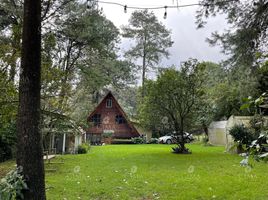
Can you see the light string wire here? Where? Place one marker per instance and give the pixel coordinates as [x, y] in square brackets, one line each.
[94, 3]
[159, 7]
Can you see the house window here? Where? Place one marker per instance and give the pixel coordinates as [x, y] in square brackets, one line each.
[119, 119]
[109, 103]
[96, 119]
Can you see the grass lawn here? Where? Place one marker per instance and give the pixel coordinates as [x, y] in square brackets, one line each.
[152, 172]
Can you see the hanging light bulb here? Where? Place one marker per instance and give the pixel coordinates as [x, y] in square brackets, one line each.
[125, 9]
[90, 4]
[165, 14]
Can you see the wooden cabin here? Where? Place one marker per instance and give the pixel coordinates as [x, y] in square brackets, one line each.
[109, 117]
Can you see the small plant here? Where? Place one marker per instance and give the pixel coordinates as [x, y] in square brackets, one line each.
[242, 136]
[12, 184]
[138, 140]
[153, 141]
[83, 148]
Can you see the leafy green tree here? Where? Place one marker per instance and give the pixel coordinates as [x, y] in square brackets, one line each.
[175, 95]
[11, 30]
[245, 43]
[262, 74]
[152, 40]
[213, 75]
[225, 90]
[79, 59]
[10, 36]
[248, 33]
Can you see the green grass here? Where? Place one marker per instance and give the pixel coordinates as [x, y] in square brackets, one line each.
[152, 172]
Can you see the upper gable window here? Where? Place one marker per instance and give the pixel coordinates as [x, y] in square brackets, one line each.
[119, 119]
[109, 103]
[96, 119]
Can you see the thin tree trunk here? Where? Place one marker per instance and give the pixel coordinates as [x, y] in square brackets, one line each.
[29, 149]
[63, 92]
[143, 67]
[143, 77]
[182, 141]
[205, 128]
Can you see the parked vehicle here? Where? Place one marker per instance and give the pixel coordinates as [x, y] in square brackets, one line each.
[172, 139]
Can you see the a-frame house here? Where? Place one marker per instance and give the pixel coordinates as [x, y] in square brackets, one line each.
[108, 116]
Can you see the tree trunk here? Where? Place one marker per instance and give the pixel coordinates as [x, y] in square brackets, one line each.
[29, 149]
[181, 142]
[143, 77]
[205, 128]
[143, 67]
[63, 92]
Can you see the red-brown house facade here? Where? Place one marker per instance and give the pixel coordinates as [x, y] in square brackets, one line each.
[108, 116]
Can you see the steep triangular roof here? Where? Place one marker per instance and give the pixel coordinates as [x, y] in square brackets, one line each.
[110, 95]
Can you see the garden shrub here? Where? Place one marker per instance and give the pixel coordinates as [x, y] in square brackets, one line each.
[153, 141]
[242, 135]
[83, 148]
[138, 140]
[12, 184]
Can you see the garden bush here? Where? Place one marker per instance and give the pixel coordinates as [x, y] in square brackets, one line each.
[83, 148]
[138, 140]
[153, 141]
[242, 135]
[11, 185]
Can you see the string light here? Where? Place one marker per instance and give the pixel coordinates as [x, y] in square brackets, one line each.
[93, 3]
[88, 7]
[165, 14]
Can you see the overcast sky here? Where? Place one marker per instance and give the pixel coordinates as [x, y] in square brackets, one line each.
[188, 41]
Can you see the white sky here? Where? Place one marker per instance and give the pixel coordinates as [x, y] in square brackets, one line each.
[189, 42]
